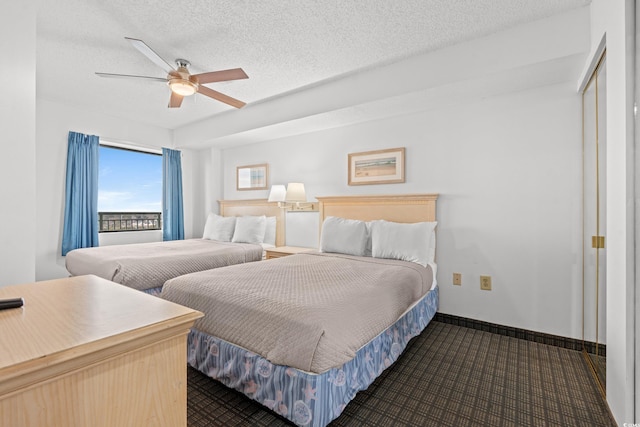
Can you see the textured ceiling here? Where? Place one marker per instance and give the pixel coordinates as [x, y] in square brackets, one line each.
[283, 45]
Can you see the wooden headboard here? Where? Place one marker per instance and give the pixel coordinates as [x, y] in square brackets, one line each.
[256, 207]
[396, 208]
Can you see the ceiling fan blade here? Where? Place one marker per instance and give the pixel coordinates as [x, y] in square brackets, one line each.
[129, 76]
[221, 76]
[176, 100]
[150, 53]
[220, 97]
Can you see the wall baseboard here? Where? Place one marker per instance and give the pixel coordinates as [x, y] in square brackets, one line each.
[524, 334]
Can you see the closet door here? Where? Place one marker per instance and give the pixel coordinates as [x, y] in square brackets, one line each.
[594, 220]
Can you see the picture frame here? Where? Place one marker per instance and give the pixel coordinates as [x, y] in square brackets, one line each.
[377, 167]
[252, 177]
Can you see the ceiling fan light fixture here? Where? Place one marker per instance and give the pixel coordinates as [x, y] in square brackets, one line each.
[182, 87]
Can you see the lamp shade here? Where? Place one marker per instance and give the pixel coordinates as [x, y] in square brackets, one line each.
[295, 192]
[277, 193]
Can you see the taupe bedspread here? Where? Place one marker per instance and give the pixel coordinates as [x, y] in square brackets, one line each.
[310, 311]
[148, 265]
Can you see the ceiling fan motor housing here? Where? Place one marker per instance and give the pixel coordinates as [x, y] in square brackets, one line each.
[181, 81]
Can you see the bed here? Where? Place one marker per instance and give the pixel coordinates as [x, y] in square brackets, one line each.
[240, 234]
[304, 333]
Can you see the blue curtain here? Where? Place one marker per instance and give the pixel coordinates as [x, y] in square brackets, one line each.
[81, 193]
[172, 213]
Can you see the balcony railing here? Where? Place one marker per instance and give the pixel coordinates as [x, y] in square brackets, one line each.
[129, 221]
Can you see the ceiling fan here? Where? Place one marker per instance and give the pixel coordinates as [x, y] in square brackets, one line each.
[181, 82]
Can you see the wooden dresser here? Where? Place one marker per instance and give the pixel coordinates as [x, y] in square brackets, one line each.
[84, 351]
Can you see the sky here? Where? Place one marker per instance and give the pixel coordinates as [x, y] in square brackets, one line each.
[129, 181]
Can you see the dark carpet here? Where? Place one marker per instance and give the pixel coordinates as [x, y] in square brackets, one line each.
[448, 376]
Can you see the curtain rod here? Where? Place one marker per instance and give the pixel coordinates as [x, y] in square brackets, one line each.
[113, 142]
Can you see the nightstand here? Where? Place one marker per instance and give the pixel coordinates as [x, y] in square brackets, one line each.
[281, 251]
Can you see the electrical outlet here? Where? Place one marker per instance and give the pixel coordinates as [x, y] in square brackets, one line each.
[457, 279]
[485, 283]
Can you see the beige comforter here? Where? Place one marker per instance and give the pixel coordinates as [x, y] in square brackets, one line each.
[148, 265]
[310, 311]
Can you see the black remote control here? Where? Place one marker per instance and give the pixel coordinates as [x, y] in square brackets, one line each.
[11, 303]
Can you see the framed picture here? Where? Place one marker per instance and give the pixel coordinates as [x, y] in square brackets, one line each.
[377, 167]
[252, 177]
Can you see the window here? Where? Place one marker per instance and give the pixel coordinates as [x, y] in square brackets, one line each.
[129, 190]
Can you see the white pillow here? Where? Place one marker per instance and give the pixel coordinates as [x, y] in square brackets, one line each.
[344, 236]
[367, 248]
[250, 229]
[219, 228]
[270, 231]
[406, 242]
[432, 245]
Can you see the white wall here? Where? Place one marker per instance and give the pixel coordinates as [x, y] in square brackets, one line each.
[300, 228]
[204, 178]
[615, 19]
[17, 130]
[54, 121]
[508, 172]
